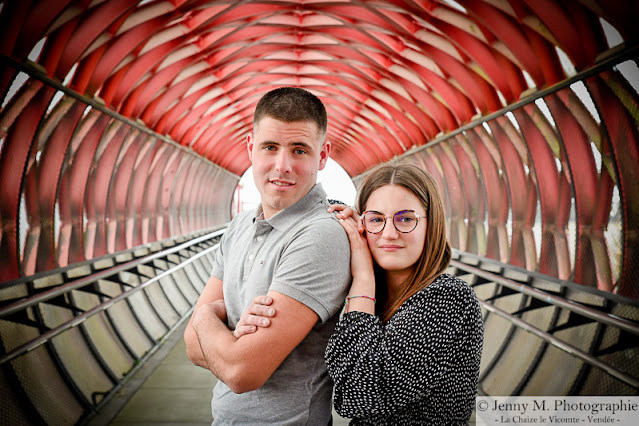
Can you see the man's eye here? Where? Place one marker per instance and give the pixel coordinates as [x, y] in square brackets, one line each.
[300, 151]
[269, 148]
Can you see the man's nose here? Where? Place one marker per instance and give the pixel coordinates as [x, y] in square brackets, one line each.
[283, 163]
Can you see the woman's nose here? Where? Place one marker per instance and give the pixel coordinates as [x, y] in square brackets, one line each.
[389, 231]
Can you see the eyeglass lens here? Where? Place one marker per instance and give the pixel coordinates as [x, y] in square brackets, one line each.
[404, 221]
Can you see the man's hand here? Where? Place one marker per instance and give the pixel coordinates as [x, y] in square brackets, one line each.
[256, 315]
[216, 308]
[246, 364]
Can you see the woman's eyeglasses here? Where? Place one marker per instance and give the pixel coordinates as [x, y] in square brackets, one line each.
[405, 221]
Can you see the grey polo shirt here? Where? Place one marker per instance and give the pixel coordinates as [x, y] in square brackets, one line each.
[301, 252]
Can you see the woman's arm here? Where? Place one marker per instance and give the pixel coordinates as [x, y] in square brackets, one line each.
[361, 268]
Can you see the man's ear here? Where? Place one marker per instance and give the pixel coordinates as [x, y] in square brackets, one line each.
[249, 146]
[324, 154]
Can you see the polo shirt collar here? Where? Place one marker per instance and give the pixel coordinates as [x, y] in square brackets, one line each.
[288, 217]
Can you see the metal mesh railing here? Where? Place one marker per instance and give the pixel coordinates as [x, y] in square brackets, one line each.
[545, 336]
[71, 336]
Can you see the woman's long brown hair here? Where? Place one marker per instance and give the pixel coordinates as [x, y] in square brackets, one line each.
[436, 254]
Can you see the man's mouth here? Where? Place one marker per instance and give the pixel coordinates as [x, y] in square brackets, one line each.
[280, 183]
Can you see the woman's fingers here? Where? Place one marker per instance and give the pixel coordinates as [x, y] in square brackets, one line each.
[348, 226]
[361, 262]
[353, 230]
[343, 212]
[336, 207]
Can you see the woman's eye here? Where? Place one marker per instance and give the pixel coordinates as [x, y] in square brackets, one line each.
[405, 219]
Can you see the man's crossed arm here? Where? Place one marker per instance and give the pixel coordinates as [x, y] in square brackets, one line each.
[244, 364]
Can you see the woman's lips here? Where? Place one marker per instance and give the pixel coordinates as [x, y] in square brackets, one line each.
[390, 247]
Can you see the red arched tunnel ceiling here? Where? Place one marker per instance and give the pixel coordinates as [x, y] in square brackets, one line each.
[393, 74]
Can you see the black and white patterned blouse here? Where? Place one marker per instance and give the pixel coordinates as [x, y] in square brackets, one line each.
[420, 367]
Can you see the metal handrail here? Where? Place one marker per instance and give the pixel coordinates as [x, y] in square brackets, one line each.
[556, 301]
[81, 282]
[572, 306]
[84, 281]
[566, 347]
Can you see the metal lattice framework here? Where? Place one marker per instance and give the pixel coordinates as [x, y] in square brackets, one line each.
[538, 185]
[86, 328]
[395, 76]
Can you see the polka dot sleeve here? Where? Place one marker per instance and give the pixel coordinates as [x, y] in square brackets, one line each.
[422, 365]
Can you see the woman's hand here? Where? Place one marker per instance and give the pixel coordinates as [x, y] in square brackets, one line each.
[344, 212]
[256, 315]
[361, 260]
[361, 268]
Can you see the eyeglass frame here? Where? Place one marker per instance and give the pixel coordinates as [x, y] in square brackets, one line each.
[417, 216]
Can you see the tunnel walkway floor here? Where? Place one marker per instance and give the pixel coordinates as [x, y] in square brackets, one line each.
[166, 390]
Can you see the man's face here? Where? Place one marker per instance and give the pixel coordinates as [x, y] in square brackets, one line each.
[286, 158]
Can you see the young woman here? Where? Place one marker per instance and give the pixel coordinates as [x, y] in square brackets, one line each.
[407, 348]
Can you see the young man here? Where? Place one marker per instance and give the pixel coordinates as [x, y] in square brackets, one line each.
[290, 250]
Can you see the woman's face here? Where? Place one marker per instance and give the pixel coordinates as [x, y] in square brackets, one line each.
[392, 250]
